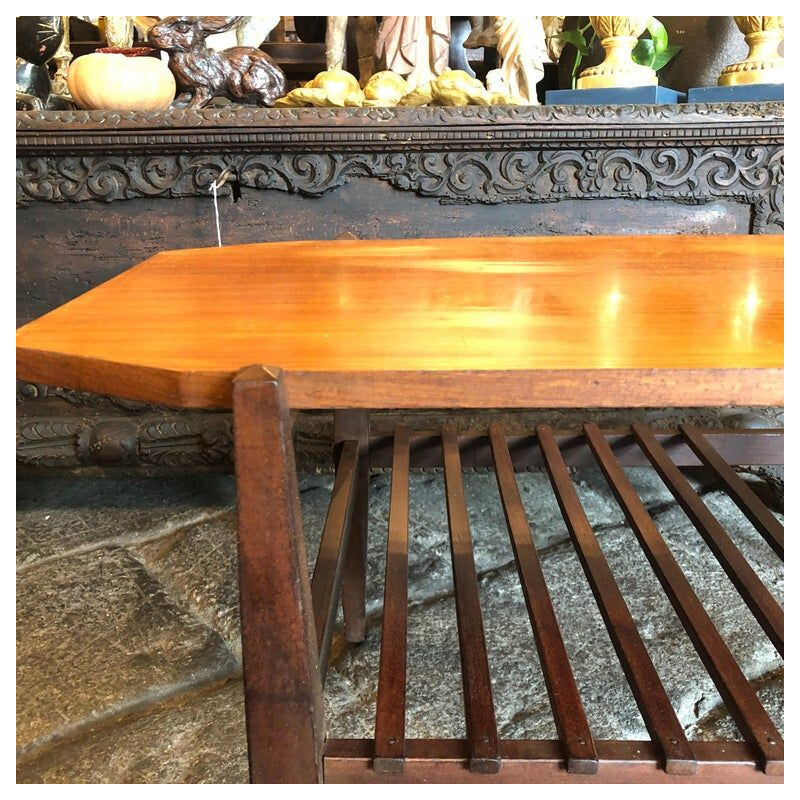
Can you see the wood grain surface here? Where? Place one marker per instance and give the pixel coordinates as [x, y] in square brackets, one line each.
[478, 322]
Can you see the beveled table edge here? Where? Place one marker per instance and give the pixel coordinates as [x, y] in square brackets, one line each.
[420, 389]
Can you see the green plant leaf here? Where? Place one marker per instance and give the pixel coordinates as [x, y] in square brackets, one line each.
[574, 38]
[644, 52]
[658, 33]
[663, 58]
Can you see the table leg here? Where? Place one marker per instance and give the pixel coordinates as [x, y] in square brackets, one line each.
[354, 425]
[282, 686]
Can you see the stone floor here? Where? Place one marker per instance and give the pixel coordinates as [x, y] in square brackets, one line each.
[128, 654]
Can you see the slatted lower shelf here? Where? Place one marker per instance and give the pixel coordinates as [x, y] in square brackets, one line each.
[447, 761]
[575, 756]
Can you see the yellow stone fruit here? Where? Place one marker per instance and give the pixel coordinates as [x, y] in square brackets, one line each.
[335, 81]
[421, 96]
[500, 99]
[457, 79]
[385, 88]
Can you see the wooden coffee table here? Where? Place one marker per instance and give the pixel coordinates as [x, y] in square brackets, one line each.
[549, 322]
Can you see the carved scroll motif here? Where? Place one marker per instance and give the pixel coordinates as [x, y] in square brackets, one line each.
[691, 174]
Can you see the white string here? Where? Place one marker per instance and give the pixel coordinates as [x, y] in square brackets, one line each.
[216, 213]
[218, 184]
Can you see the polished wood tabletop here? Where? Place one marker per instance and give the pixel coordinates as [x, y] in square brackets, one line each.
[469, 322]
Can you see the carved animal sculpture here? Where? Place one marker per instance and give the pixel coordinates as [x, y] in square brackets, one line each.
[243, 74]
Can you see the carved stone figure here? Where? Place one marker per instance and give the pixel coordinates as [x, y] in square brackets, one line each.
[336, 44]
[243, 74]
[483, 33]
[416, 47]
[552, 28]
[38, 40]
[118, 31]
[245, 32]
[521, 45]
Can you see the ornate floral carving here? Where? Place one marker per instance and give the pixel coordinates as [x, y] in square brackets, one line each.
[169, 440]
[162, 441]
[475, 154]
[55, 442]
[187, 441]
[696, 174]
[768, 209]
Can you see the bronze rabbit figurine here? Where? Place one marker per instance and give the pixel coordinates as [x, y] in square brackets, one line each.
[243, 74]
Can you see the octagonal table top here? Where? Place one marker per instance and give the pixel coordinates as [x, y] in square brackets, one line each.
[435, 323]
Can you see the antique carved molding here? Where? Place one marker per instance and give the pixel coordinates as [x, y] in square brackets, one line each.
[252, 117]
[689, 153]
[175, 441]
[692, 174]
[66, 429]
[163, 441]
[247, 130]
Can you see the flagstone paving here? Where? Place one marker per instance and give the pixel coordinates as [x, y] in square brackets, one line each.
[128, 653]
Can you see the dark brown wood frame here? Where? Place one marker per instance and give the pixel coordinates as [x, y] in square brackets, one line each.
[288, 617]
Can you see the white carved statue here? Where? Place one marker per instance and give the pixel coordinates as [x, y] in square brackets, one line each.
[418, 48]
[521, 46]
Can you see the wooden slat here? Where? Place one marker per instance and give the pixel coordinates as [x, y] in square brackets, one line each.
[762, 604]
[741, 494]
[733, 686]
[568, 713]
[327, 580]
[390, 716]
[736, 446]
[654, 705]
[542, 761]
[350, 424]
[478, 702]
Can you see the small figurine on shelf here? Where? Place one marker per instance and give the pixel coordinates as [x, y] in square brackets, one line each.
[365, 30]
[454, 87]
[619, 36]
[521, 45]
[242, 74]
[38, 40]
[418, 48]
[764, 64]
[334, 88]
[337, 88]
